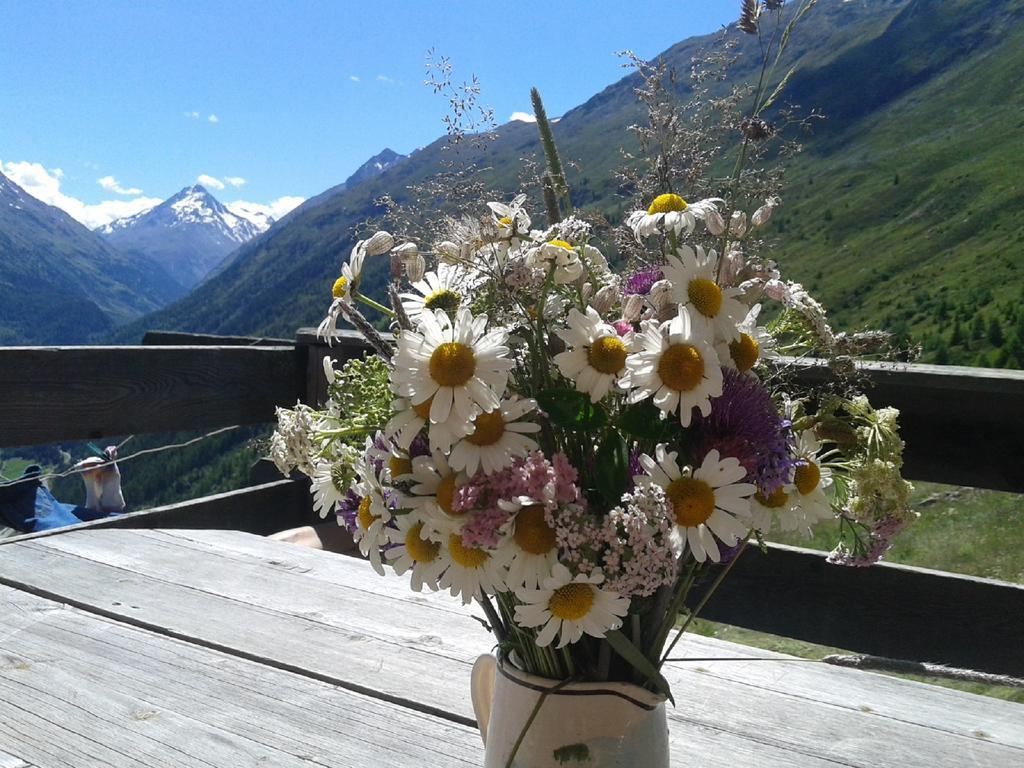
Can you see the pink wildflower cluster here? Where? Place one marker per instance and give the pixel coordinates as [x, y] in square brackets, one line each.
[639, 557]
[550, 483]
[632, 544]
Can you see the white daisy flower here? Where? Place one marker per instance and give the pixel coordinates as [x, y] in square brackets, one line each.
[351, 272]
[675, 365]
[472, 571]
[534, 546]
[496, 439]
[432, 491]
[437, 290]
[715, 311]
[705, 501]
[513, 223]
[407, 421]
[754, 343]
[561, 255]
[372, 516]
[326, 493]
[810, 479]
[778, 506]
[414, 550]
[569, 607]
[596, 357]
[457, 363]
[669, 213]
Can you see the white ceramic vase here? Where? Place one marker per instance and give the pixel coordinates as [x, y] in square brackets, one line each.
[581, 725]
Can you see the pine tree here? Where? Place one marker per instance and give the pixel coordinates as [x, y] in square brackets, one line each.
[995, 332]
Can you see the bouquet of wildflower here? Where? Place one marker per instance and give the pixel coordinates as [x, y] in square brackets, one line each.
[576, 447]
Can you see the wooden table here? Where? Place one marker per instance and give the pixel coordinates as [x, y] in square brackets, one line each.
[212, 648]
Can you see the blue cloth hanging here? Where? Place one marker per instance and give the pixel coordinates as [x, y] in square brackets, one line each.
[29, 506]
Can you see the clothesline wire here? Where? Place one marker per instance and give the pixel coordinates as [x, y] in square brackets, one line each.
[129, 457]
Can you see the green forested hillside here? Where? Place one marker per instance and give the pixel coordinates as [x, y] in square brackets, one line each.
[904, 210]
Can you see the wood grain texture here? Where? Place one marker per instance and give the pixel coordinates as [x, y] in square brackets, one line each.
[77, 691]
[10, 761]
[179, 339]
[261, 509]
[331, 618]
[888, 610]
[49, 394]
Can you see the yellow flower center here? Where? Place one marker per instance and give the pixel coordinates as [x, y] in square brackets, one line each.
[443, 298]
[446, 495]
[423, 409]
[777, 499]
[339, 287]
[681, 367]
[705, 295]
[364, 517]
[693, 501]
[420, 549]
[571, 602]
[607, 355]
[505, 221]
[560, 244]
[467, 557]
[744, 352]
[399, 465]
[666, 203]
[452, 364]
[489, 427]
[532, 532]
[807, 477]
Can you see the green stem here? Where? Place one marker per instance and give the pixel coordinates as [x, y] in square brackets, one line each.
[373, 304]
[703, 601]
[533, 716]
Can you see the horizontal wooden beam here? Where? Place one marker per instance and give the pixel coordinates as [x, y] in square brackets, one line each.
[176, 338]
[888, 610]
[261, 509]
[50, 394]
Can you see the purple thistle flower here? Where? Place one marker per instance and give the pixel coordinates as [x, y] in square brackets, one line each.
[640, 282]
[745, 423]
[347, 509]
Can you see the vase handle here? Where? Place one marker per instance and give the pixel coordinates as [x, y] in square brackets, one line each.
[481, 690]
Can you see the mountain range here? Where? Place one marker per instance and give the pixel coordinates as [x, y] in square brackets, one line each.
[188, 234]
[902, 210]
[61, 282]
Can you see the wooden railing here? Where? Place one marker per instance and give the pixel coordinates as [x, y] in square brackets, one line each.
[962, 426]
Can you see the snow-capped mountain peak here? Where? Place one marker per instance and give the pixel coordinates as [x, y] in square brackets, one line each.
[190, 232]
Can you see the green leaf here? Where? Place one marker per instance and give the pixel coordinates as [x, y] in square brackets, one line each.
[612, 467]
[643, 421]
[570, 409]
[625, 648]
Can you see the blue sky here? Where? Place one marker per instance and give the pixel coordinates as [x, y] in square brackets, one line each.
[107, 105]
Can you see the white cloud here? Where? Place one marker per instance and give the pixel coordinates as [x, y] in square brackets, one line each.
[213, 119]
[210, 181]
[60, 175]
[234, 181]
[44, 185]
[354, 78]
[110, 184]
[522, 117]
[192, 115]
[384, 79]
[275, 209]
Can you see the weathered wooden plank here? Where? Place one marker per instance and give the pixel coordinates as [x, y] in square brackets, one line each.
[367, 629]
[176, 338]
[77, 690]
[261, 509]
[10, 761]
[48, 394]
[889, 610]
